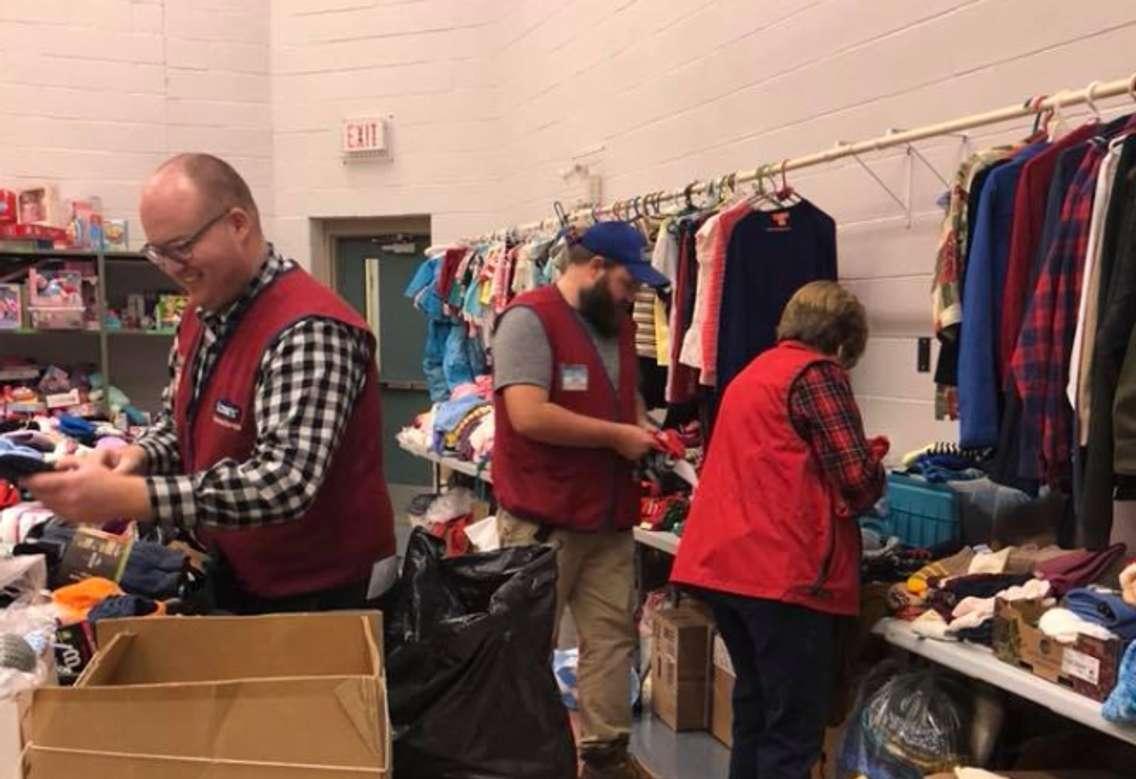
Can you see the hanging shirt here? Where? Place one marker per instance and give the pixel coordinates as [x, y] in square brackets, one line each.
[643, 314]
[1080, 365]
[664, 258]
[691, 353]
[682, 380]
[770, 256]
[1041, 359]
[978, 368]
[1026, 233]
[720, 240]
[946, 290]
[1116, 301]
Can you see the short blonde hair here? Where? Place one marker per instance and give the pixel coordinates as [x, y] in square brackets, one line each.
[827, 317]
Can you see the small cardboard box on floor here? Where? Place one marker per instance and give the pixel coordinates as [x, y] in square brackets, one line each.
[722, 707]
[272, 697]
[680, 669]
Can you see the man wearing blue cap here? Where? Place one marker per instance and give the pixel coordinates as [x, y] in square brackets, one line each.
[570, 427]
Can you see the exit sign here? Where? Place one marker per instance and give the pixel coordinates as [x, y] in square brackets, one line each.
[365, 136]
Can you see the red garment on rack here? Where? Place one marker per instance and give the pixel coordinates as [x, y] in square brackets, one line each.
[682, 380]
[453, 258]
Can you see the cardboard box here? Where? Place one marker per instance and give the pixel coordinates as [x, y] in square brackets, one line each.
[721, 698]
[274, 696]
[50, 763]
[13, 713]
[11, 306]
[680, 669]
[1088, 667]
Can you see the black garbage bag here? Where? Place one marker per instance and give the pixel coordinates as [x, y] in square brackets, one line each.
[468, 645]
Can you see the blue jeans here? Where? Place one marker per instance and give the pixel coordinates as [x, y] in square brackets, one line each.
[784, 659]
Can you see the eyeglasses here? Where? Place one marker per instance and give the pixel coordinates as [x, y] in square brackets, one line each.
[172, 256]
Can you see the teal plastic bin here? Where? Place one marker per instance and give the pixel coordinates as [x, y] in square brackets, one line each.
[919, 513]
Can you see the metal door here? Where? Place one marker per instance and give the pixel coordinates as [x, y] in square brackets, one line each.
[371, 274]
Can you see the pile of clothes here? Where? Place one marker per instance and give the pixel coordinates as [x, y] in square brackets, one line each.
[952, 598]
[446, 516]
[462, 427]
[951, 593]
[123, 570]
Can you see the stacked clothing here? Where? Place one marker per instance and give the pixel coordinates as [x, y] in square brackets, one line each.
[953, 598]
[460, 428]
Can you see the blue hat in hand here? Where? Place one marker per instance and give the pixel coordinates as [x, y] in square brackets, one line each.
[622, 243]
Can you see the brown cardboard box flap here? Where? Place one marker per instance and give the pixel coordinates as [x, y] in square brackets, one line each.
[52, 763]
[326, 721]
[173, 687]
[193, 649]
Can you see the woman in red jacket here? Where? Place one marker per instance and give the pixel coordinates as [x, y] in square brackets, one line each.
[772, 542]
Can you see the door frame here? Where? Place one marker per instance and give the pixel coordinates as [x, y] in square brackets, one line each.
[325, 233]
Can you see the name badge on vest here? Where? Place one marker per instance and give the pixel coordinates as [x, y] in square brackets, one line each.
[227, 414]
[574, 378]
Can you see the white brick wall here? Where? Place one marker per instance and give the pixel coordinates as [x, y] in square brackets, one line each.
[422, 64]
[676, 90]
[94, 94]
[490, 99]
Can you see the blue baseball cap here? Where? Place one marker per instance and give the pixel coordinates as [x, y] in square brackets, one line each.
[622, 243]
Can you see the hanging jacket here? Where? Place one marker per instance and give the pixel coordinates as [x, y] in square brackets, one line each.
[765, 521]
[350, 525]
[561, 486]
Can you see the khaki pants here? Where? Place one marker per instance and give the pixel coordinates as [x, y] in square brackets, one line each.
[596, 581]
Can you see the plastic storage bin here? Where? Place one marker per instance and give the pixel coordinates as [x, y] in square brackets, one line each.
[919, 513]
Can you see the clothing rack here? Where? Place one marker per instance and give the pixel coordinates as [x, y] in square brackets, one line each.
[1045, 107]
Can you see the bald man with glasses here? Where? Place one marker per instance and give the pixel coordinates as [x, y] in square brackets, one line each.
[268, 446]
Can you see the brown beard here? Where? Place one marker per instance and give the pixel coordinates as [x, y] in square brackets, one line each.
[599, 307]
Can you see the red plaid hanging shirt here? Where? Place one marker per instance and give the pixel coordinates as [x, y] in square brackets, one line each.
[1040, 364]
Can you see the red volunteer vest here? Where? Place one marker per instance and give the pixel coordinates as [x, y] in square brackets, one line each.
[560, 486]
[350, 525]
[765, 522]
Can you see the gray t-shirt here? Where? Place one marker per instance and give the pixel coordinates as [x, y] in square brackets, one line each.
[522, 354]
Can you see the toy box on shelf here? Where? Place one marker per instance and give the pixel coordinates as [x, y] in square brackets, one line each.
[11, 307]
[85, 228]
[169, 311]
[55, 300]
[8, 213]
[116, 235]
[39, 205]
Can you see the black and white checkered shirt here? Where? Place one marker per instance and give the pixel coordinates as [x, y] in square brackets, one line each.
[309, 379]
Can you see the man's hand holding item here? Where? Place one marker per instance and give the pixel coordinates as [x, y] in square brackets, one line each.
[633, 442]
[85, 490]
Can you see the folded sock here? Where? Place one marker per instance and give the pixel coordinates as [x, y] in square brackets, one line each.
[1104, 608]
[119, 606]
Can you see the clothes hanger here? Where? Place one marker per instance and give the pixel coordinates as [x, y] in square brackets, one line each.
[760, 194]
[1041, 116]
[1056, 120]
[1090, 101]
[786, 194]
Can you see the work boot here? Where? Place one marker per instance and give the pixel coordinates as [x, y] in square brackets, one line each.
[613, 764]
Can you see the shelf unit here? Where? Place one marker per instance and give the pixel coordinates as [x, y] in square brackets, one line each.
[451, 463]
[979, 662]
[664, 541]
[15, 262]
